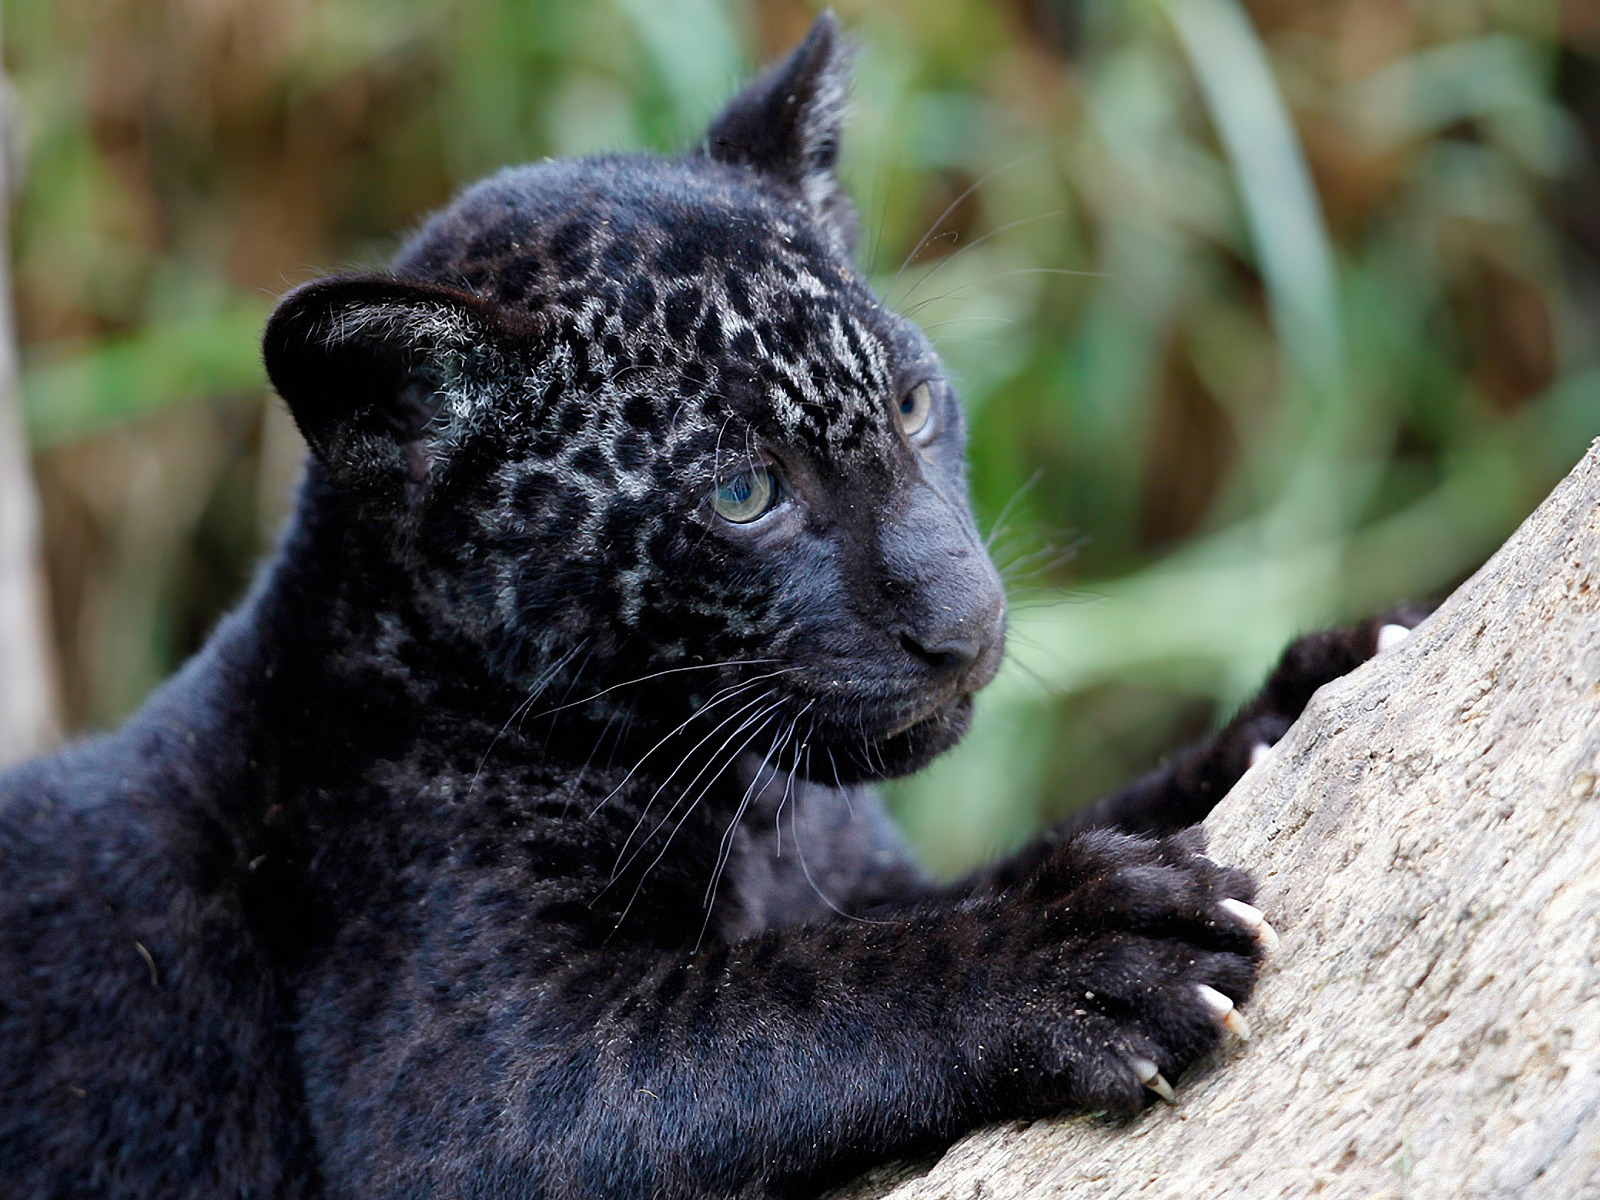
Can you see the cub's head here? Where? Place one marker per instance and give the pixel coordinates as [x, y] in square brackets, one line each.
[631, 416]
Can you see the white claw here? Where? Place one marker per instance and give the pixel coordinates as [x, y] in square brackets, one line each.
[1259, 751]
[1232, 1019]
[1390, 636]
[1254, 919]
[1150, 1075]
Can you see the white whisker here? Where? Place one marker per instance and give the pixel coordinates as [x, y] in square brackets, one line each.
[545, 678]
[689, 808]
[682, 762]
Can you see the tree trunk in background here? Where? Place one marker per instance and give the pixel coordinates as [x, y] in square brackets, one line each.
[1428, 844]
[28, 721]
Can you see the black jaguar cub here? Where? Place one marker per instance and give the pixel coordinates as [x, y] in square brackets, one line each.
[512, 838]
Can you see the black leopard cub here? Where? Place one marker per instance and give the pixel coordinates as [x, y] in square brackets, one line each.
[513, 838]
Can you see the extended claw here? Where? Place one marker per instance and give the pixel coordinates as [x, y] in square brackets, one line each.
[1254, 919]
[1150, 1075]
[1390, 636]
[1232, 1019]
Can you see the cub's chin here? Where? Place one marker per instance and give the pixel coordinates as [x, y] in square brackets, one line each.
[849, 759]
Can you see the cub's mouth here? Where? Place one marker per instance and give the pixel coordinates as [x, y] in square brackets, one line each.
[907, 745]
[932, 712]
[863, 725]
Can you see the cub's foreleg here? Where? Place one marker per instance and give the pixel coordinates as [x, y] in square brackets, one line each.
[772, 1064]
[1188, 785]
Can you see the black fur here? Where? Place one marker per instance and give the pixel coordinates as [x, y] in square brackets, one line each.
[511, 838]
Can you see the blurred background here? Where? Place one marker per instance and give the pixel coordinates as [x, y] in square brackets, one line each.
[1267, 314]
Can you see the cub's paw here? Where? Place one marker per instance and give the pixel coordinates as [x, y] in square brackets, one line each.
[1311, 661]
[1161, 946]
[1321, 657]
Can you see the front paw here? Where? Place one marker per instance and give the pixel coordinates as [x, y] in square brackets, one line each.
[1158, 946]
[1321, 657]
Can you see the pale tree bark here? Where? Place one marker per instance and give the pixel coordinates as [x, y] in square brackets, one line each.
[1428, 843]
[28, 720]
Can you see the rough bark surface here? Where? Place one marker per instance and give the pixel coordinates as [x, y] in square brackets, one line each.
[27, 681]
[1428, 841]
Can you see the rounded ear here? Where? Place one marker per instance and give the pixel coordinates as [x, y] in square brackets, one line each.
[366, 363]
[785, 124]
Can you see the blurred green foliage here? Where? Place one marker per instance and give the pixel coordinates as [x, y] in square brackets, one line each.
[1266, 315]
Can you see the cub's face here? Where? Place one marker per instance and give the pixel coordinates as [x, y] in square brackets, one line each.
[633, 416]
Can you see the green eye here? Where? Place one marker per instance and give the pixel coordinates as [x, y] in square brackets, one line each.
[916, 410]
[748, 495]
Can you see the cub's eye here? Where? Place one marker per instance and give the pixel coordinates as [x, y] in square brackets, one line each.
[748, 495]
[916, 410]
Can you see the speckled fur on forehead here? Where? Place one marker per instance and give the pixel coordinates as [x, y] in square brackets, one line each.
[718, 297]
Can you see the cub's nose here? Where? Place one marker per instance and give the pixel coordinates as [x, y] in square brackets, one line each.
[939, 591]
[947, 654]
[955, 648]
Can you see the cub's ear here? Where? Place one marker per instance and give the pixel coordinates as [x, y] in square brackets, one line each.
[785, 124]
[369, 364]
